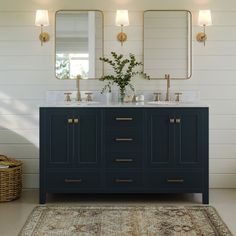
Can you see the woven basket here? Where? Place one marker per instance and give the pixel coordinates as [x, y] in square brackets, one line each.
[10, 179]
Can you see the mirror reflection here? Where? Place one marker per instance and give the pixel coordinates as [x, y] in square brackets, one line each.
[78, 44]
[168, 43]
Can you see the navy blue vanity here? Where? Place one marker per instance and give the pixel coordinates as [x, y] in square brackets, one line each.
[144, 149]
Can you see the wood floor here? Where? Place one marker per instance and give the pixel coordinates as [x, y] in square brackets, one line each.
[14, 214]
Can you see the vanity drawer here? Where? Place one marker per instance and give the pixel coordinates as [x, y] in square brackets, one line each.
[123, 159]
[126, 139]
[120, 180]
[73, 180]
[174, 180]
[124, 117]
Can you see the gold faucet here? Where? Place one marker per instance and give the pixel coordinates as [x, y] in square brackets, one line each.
[78, 95]
[167, 77]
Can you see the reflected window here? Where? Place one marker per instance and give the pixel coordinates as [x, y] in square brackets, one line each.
[79, 65]
[70, 65]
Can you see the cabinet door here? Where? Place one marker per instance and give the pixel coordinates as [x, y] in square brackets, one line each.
[58, 137]
[189, 137]
[87, 137]
[160, 137]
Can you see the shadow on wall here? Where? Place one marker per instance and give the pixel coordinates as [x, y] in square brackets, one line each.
[18, 147]
[20, 117]
[19, 135]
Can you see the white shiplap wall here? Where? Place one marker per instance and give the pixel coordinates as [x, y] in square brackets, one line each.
[26, 73]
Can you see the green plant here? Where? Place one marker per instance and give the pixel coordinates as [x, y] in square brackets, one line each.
[124, 69]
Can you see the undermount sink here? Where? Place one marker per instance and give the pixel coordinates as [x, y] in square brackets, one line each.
[81, 103]
[163, 103]
[88, 102]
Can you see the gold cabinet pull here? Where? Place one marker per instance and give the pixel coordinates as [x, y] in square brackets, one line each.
[177, 120]
[124, 118]
[172, 120]
[124, 180]
[175, 180]
[124, 160]
[76, 120]
[70, 121]
[124, 139]
[73, 180]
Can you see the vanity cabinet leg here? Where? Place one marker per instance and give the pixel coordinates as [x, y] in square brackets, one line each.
[205, 197]
[42, 197]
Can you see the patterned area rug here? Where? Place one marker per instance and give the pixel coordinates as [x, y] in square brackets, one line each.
[124, 221]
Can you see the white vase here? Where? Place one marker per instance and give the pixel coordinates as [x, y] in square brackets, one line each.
[108, 98]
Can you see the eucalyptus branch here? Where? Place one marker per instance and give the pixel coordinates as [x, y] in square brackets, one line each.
[124, 69]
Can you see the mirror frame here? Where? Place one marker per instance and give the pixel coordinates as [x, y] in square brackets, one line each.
[189, 32]
[102, 74]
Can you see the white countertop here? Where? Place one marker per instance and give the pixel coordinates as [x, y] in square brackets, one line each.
[57, 99]
[123, 105]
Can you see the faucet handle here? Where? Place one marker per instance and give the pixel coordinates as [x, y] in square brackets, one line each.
[157, 97]
[177, 99]
[89, 97]
[68, 98]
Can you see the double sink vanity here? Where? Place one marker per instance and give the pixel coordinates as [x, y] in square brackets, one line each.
[138, 147]
[152, 146]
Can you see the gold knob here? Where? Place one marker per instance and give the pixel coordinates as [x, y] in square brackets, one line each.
[172, 120]
[178, 120]
[70, 121]
[76, 120]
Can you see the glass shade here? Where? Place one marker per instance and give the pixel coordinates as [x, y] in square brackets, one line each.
[122, 18]
[41, 18]
[204, 18]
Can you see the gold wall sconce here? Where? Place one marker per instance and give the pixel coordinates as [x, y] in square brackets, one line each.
[122, 19]
[204, 19]
[41, 19]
